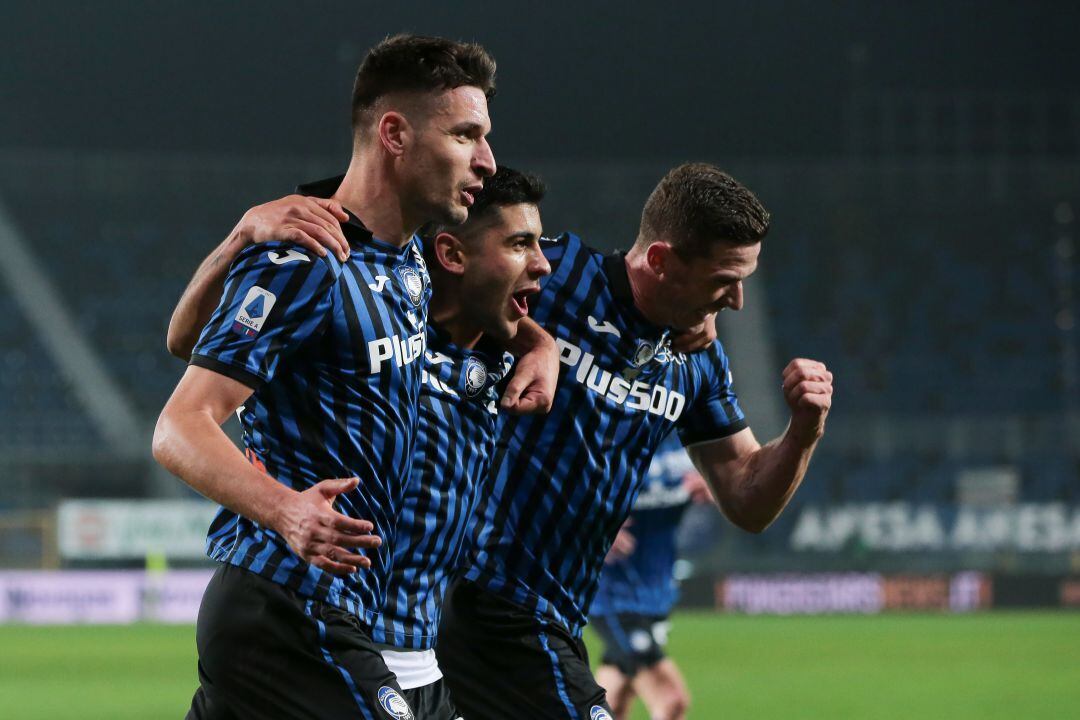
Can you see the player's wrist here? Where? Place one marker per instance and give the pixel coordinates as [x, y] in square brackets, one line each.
[805, 432]
[279, 509]
[241, 236]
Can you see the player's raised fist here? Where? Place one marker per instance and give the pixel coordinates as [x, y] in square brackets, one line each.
[321, 535]
[311, 223]
[808, 391]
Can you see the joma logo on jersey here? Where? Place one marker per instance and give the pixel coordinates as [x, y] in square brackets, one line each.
[635, 395]
[394, 348]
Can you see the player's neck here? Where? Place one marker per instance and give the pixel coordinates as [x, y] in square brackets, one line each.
[643, 287]
[369, 193]
[445, 311]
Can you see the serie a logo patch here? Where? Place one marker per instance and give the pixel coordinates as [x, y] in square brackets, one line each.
[598, 713]
[394, 705]
[253, 311]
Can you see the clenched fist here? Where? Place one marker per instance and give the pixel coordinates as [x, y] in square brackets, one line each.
[808, 391]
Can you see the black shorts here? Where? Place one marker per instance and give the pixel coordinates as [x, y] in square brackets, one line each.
[266, 652]
[432, 702]
[502, 661]
[632, 642]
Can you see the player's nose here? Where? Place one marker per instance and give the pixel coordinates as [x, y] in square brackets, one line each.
[735, 298]
[538, 264]
[483, 162]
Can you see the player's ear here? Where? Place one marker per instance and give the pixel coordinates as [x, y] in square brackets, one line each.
[395, 132]
[658, 258]
[450, 253]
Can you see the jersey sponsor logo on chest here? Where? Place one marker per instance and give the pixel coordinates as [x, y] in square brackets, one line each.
[395, 349]
[632, 394]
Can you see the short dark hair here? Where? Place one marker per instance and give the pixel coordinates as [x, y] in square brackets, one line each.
[419, 63]
[505, 188]
[696, 205]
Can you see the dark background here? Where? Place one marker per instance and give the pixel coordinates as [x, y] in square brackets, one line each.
[921, 162]
[586, 80]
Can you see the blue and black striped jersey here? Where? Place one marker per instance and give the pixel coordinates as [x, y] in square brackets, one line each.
[562, 483]
[333, 352]
[454, 443]
[644, 582]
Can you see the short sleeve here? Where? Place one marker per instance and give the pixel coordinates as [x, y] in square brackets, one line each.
[715, 412]
[276, 298]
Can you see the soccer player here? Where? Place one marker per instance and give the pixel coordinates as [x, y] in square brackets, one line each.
[562, 484]
[637, 590]
[320, 353]
[482, 273]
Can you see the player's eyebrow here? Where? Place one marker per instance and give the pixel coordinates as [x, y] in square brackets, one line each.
[467, 126]
[521, 236]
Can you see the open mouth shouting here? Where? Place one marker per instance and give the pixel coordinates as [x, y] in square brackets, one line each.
[519, 300]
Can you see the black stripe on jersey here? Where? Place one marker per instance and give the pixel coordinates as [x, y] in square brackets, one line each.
[564, 295]
[238, 374]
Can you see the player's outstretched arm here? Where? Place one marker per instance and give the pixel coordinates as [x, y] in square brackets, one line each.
[312, 223]
[536, 372]
[189, 442]
[753, 483]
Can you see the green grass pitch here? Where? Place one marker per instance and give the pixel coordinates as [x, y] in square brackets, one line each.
[985, 666]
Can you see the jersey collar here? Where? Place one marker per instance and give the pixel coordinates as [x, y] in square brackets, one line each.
[487, 349]
[619, 281]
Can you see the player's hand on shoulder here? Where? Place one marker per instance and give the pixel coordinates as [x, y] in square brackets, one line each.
[322, 536]
[531, 389]
[312, 223]
[696, 338]
[808, 390]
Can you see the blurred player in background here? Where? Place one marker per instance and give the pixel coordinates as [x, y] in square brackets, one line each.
[638, 589]
[563, 484]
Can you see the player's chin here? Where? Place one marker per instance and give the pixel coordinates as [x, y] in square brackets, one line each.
[504, 328]
[686, 324]
[454, 214]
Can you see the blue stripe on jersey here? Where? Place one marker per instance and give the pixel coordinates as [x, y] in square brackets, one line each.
[643, 582]
[361, 703]
[328, 348]
[557, 673]
[562, 483]
[458, 414]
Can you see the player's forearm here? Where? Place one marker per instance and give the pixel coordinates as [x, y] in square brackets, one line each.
[192, 446]
[765, 481]
[201, 297]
